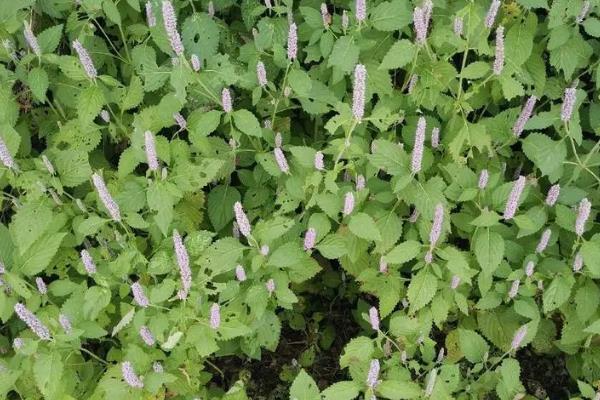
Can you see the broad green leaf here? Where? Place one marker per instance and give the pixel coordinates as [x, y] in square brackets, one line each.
[363, 226]
[421, 289]
[400, 54]
[48, 371]
[304, 388]
[344, 55]
[38, 83]
[398, 390]
[404, 252]
[246, 122]
[90, 103]
[472, 345]
[546, 154]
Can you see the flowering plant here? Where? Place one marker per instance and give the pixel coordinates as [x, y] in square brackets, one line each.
[401, 192]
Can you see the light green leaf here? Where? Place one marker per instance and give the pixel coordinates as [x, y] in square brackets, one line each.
[398, 390]
[472, 345]
[47, 371]
[344, 390]
[304, 388]
[38, 83]
[344, 54]
[547, 154]
[475, 70]
[246, 122]
[400, 54]
[363, 226]
[421, 290]
[90, 102]
[404, 252]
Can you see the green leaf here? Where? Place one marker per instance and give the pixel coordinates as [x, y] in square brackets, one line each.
[48, 371]
[519, 42]
[363, 226]
[49, 39]
[357, 350]
[89, 105]
[134, 94]
[200, 35]
[475, 70]
[38, 83]
[592, 26]
[547, 154]
[332, 246]
[203, 124]
[111, 11]
[344, 390]
[472, 345]
[96, 298]
[391, 15]
[489, 250]
[557, 293]
[73, 166]
[246, 122]
[399, 390]
[220, 205]
[39, 255]
[401, 53]
[421, 290]
[344, 55]
[590, 251]
[404, 252]
[304, 388]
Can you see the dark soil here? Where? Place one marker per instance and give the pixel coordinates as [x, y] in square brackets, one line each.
[545, 377]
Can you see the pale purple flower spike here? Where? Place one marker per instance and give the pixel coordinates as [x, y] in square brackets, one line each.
[88, 262]
[85, 59]
[310, 238]
[383, 265]
[513, 198]
[455, 282]
[319, 164]
[360, 10]
[183, 261]
[491, 14]
[458, 26]
[281, 160]
[292, 44]
[241, 219]
[226, 100]
[65, 323]
[240, 273]
[436, 227]
[374, 318]
[325, 15]
[360, 183]
[150, 17]
[417, 154]
[568, 104]
[348, 204]
[373, 374]
[157, 367]
[170, 23]
[146, 335]
[211, 9]
[585, 8]
[48, 165]
[261, 74]
[31, 39]
[264, 250]
[180, 120]
[514, 289]
[431, 382]
[278, 139]
[358, 94]
[18, 343]
[106, 198]
[150, 147]
[139, 296]
[483, 179]
[215, 316]
[270, 285]
[345, 20]
[499, 60]
[41, 285]
[412, 83]
[529, 268]
[577, 262]
[583, 213]
[543, 243]
[552, 195]
[195, 60]
[129, 375]
[435, 137]
[32, 321]
[524, 116]
[518, 338]
[5, 155]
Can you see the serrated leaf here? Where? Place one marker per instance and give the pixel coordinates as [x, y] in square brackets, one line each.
[48, 371]
[363, 226]
[547, 154]
[220, 205]
[90, 103]
[421, 290]
[38, 83]
[400, 54]
[344, 55]
[404, 252]
[304, 388]
[246, 122]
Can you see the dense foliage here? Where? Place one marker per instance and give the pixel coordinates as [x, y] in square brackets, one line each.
[288, 199]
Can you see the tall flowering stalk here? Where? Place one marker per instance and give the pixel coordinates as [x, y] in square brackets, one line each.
[585, 8]
[513, 198]
[147, 336]
[360, 10]
[240, 273]
[150, 17]
[310, 237]
[348, 204]
[150, 147]
[373, 374]
[226, 100]
[491, 14]
[31, 39]
[417, 154]
[325, 15]
[281, 160]
[568, 104]
[106, 198]
[458, 26]
[436, 227]
[88, 262]
[241, 219]
[358, 94]
[41, 285]
[292, 44]
[543, 243]
[183, 261]
[85, 59]
[529, 269]
[524, 116]
[215, 316]
[518, 337]
[319, 164]
[261, 74]
[5, 156]
[483, 179]
[431, 382]
[170, 23]
[32, 321]
[195, 60]
[583, 213]
[421, 18]
[129, 375]
[552, 195]
[499, 60]
[435, 137]
[139, 296]
[374, 318]
[514, 289]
